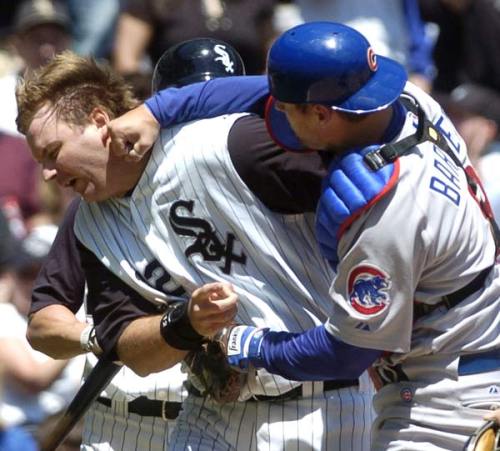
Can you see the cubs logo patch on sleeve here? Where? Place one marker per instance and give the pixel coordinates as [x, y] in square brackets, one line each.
[367, 289]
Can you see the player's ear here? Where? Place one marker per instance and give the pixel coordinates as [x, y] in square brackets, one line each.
[99, 117]
[322, 113]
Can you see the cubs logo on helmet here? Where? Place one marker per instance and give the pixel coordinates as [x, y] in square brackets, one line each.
[372, 59]
[367, 289]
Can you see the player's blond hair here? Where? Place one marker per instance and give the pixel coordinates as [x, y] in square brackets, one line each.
[74, 85]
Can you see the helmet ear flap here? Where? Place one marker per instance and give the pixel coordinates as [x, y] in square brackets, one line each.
[196, 60]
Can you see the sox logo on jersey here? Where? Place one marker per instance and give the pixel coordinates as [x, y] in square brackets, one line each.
[206, 242]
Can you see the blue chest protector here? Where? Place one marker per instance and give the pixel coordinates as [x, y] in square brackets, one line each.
[350, 188]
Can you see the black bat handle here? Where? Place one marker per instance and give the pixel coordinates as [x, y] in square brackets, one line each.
[97, 380]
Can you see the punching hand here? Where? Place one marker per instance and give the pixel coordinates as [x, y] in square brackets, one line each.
[212, 307]
[133, 134]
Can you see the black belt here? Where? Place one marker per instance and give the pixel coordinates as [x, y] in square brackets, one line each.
[146, 407]
[297, 392]
[294, 393]
[452, 299]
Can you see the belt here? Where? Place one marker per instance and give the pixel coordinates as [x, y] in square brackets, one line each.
[294, 393]
[453, 299]
[481, 362]
[297, 392]
[146, 407]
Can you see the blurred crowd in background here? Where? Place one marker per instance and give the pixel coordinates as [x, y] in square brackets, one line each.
[449, 47]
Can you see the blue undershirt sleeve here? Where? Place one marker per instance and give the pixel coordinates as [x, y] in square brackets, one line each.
[207, 99]
[313, 355]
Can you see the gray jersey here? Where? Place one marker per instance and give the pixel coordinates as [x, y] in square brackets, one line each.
[434, 240]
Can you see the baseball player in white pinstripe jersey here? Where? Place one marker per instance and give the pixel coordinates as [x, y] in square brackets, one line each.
[132, 412]
[197, 212]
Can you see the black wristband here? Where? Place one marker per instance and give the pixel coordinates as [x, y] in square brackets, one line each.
[176, 329]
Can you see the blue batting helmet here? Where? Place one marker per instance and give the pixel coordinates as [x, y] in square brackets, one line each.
[332, 64]
[196, 60]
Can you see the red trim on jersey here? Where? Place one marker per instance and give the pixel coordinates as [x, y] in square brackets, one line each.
[362, 269]
[390, 184]
[481, 200]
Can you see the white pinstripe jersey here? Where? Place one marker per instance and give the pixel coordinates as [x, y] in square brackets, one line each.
[427, 238]
[192, 220]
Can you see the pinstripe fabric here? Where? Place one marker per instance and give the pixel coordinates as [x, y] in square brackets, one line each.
[336, 420]
[106, 430]
[113, 428]
[192, 213]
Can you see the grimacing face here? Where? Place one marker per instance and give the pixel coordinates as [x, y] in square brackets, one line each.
[74, 156]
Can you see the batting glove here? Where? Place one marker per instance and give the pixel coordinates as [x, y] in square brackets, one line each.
[242, 344]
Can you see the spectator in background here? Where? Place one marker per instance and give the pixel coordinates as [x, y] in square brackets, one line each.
[93, 25]
[12, 438]
[466, 49]
[468, 79]
[19, 198]
[147, 27]
[40, 30]
[35, 386]
[393, 27]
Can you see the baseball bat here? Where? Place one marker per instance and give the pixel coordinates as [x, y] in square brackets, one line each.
[97, 380]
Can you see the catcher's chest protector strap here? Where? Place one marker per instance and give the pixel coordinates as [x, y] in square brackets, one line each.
[352, 187]
[426, 131]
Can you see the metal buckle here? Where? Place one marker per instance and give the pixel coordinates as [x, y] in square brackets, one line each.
[163, 413]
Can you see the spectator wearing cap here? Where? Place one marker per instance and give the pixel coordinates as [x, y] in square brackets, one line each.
[41, 29]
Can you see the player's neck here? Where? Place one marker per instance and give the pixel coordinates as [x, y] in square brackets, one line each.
[129, 173]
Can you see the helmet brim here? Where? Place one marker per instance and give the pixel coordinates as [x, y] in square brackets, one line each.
[383, 88]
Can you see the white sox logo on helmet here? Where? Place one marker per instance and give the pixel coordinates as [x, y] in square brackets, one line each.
[224, 58]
